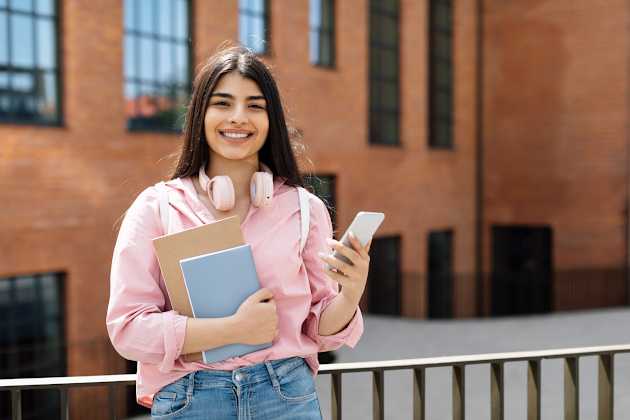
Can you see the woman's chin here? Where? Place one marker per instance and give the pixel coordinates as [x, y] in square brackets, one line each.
[233, 154]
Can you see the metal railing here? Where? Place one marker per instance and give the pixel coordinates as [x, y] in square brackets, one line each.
[458, 364]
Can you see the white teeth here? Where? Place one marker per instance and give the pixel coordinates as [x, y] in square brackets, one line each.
[235, 135]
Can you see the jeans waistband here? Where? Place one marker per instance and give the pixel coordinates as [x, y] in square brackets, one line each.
[264, 371]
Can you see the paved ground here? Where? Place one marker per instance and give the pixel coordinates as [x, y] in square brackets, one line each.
[392, 338]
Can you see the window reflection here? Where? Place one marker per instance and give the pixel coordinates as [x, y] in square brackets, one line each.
[46, 44]
[147, 59]
[129, 15]
[156, 64]
[28, 66]
[22, 40]
[130, 57]
[321, 18]
[165, 71]
[165, 18]
[45, 7]
[181, 19]
[145, 13]
[254, 25]
[22, 5]
[4, 42]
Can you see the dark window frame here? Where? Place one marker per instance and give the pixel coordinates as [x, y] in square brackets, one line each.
[522, 271]
[438, 274]
[440, 122]
[325, 30]
[266, 19]
[17, 349]
[396, 272]
[144, 125]
[56, 71]
[331, 202]
[377, 112]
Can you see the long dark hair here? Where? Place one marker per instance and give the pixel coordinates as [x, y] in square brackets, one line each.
[276, 153]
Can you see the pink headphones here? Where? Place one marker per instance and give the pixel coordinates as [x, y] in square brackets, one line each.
[221, 190]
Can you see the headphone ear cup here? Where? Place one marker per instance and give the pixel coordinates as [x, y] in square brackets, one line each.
[221, 193]
[261, 189]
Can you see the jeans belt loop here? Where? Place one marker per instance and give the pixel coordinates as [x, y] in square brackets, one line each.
[191, 384]
[272, 374]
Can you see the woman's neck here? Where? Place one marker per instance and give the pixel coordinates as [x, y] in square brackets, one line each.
[240, 172]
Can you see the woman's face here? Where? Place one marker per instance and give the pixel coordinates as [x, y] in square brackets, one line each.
[236, 121]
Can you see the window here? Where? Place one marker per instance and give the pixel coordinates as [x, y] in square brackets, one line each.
[440, 274]
[322, 39]
[384, 78]
[441, 74]
[324, 186]
[253, 25]
[29, 70]
[157, 68]
[522, 269]
[32, 343]
[384, 278]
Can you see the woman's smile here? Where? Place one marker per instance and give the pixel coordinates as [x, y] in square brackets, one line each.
[236, 136]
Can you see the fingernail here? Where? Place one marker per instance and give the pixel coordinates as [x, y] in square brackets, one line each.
[321, 254]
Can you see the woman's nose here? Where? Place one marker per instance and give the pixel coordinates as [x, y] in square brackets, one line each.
[239, 116]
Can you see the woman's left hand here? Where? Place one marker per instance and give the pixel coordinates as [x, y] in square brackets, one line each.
[351, 277]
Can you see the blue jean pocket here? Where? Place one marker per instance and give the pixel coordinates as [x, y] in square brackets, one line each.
[170, 400]
[296, 385]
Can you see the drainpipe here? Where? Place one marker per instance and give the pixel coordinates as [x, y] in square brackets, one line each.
[479, 227]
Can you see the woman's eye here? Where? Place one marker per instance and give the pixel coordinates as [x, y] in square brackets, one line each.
[221, 103]
[257, 106]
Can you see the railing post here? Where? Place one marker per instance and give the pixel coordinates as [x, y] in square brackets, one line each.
[497, 394]
[335, 396]
[16, 404]
[571, 388]
[63, 399]
[459, 392]
[533, 389]
[378, 384]
[419, 392]
[606, 386]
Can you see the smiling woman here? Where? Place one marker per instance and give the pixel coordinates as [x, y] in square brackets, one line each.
[236, 121]
[236, 159]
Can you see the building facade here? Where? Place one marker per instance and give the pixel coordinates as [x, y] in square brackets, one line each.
[493, 136]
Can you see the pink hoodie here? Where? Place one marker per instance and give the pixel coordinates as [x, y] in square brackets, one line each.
[141, 323]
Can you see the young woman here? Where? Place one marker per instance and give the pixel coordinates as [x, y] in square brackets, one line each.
[235, 135]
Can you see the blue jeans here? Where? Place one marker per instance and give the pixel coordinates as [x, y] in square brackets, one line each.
[278, 389]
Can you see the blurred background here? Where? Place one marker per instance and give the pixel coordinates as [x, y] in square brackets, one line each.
[493, 134]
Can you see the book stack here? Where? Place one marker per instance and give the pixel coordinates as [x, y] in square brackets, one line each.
[209, 271]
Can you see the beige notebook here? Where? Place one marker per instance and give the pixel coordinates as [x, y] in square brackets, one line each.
[170, 249]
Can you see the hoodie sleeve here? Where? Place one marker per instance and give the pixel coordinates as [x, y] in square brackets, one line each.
[139, 327]
[323, 289]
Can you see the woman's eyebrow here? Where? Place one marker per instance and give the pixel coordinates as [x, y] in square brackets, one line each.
[230, 96]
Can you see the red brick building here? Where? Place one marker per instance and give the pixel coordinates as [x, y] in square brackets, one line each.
[492, 134]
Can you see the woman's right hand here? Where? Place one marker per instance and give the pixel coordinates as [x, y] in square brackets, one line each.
[257, 318]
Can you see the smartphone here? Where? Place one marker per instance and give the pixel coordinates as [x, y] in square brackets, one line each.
[364, 227]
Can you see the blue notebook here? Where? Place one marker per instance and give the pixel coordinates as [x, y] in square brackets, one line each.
[217, 284]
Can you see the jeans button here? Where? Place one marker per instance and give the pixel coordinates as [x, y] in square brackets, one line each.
[238, 376]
